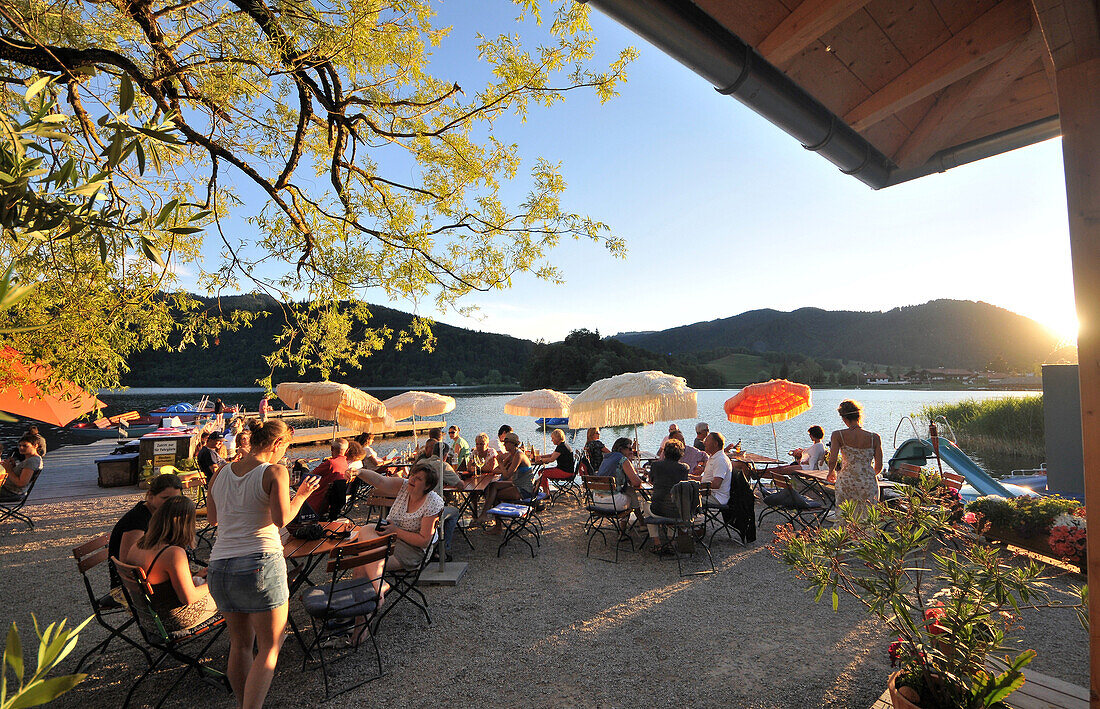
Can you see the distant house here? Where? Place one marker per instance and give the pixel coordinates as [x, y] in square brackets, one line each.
[943, 374]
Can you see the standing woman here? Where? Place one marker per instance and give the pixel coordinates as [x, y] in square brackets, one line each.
[249, 500]
[860, 454]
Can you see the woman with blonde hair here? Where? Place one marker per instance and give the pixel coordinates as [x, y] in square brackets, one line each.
[855, 457]
[483, 457]
[249, 500]
[162, 555]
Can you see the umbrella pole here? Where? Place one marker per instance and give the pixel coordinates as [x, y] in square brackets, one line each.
[775, 440]
[543, 434]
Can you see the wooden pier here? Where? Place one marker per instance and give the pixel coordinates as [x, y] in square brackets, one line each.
[324, 434]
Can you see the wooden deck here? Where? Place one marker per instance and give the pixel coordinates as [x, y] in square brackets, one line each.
[70, 473]
[324, 434]
[1039, 692]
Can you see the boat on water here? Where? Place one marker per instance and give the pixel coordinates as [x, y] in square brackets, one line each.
[186, 411]
[552, 423]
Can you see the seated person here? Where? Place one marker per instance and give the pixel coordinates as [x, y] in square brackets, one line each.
[211, 457]
[162, 553]
[413, 514]
[719, 468]
[617, 464]
[370, 459]
[501, 433]
[564, 466]
[594, 450]
[133, 524]
[229, 438]
[516, 479]
[813, 457]
[661, 448]
[244, 444]
[39, 441]
[436, 451]
[692, 457]
[665, 473]
[327, 501]
[483, 458]
[20, 472]
[460, 449]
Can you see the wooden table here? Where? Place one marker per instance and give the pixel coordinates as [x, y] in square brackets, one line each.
[755, 459]
[469, 490]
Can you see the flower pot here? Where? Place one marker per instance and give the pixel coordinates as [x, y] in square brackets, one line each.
[1040, 544]
[896, 699]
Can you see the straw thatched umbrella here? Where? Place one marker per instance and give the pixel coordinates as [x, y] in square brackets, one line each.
[339, 403]
[768, 402]
[633, 398]
[544, 403]
[418, 403]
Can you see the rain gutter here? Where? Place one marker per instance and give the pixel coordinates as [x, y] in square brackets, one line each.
[695, 39]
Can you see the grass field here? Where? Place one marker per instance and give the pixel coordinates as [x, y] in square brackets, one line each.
[742, 368]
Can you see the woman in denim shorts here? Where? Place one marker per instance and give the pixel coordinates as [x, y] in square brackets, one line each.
[249, 500]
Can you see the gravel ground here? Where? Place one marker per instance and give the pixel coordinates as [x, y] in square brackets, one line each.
[557, 630]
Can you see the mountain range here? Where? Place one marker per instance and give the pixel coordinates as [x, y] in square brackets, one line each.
[813, 343]
[940, 333]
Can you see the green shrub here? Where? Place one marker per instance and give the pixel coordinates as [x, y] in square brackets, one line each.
[1027, 516]
[996, 510]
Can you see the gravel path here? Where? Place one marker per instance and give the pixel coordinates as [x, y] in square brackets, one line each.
[557, 630]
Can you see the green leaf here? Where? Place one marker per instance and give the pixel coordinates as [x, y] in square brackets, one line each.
[836, 601]
[166, 211]
[140, 158]
[152, 252]
[43, 691]
[125, 94]
[13, 653]
[37, 86]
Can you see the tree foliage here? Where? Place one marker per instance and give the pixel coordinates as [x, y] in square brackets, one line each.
[133, 130]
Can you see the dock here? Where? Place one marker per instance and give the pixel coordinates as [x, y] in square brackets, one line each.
[70, 473]
[324, 434]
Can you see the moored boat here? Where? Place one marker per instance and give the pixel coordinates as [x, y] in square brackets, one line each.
[90, 430]
[552, 423]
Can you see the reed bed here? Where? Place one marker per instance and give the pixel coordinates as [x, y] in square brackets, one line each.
[1010, 425]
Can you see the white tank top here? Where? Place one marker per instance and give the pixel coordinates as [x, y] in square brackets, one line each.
[244, 515]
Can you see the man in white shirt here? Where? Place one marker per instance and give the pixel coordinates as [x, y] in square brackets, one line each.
[719, 470]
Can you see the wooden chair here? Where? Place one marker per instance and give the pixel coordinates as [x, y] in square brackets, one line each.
[172, 644]
[600, 513]
[343, 598]
[106, 608]
[11, 509]
[715, 511]
[404, 582]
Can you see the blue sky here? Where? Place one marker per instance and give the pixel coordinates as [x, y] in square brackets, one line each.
[723, 213]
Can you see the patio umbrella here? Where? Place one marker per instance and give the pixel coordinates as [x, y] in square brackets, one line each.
[340, 403]
[633, 398]
[544, 403]
[418, 403]
[29, 395]
[768, 402]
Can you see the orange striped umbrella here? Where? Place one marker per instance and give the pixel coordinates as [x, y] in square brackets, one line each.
[29, 396]
[768, 402]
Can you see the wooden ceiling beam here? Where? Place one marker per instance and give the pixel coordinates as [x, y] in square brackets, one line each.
[962, 101]
[981, 43]
[1071, 31]
[801, 28]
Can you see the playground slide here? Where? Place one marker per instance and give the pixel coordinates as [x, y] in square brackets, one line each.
[917, 452]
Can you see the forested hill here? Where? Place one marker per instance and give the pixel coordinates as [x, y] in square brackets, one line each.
[951, 333]
[460, 356]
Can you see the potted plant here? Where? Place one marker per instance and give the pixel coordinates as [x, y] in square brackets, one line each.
[1029, 523]
[951, 602]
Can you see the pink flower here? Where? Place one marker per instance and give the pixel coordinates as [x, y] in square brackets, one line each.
[970, 518]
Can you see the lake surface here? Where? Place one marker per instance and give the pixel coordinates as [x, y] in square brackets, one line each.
[476, 412]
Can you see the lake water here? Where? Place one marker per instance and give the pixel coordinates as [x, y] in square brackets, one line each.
[475, 412]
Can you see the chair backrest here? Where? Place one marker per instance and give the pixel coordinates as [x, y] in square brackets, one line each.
[346, 557]
[30, 485]
[779, 480]
[604, 486]
[89, 555]
[953, 480]
[139, 594]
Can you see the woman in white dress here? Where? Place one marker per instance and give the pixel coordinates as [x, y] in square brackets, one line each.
[855, 457]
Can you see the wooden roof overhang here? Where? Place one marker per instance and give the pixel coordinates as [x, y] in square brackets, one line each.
[887, 90]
